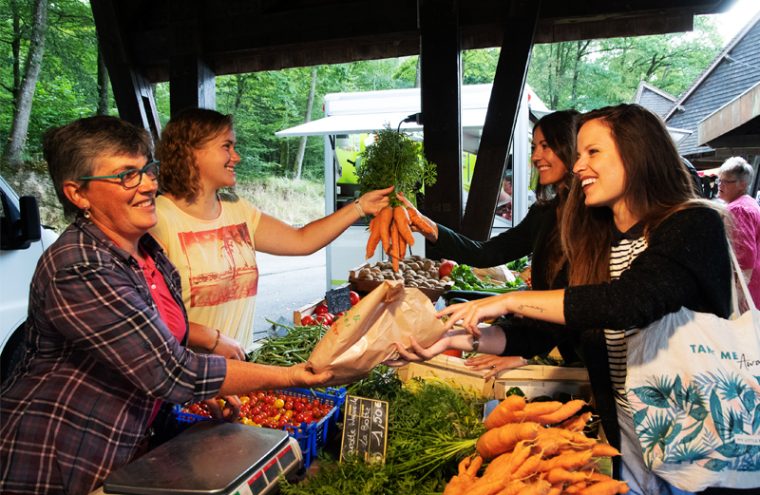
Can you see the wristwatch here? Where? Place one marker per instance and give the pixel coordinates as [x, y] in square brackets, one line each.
[475, 344]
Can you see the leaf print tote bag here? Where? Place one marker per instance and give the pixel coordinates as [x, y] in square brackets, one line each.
[693, 383]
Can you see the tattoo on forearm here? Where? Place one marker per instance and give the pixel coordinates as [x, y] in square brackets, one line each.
[523, 307]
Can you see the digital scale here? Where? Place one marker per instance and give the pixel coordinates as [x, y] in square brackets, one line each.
[211, 458]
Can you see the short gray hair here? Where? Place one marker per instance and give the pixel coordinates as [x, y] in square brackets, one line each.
[71, 150]
[738, 168]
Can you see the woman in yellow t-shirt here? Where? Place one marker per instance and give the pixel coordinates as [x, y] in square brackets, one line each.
[212, 238]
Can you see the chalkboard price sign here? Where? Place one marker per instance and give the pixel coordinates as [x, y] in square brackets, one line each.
[338, 299]
[365, 429]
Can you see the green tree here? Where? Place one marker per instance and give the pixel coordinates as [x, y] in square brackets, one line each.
[591, 74]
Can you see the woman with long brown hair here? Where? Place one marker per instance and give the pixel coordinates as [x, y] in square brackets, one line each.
[640, 245]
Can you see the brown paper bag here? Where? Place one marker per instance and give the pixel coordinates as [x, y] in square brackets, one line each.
[364, 337]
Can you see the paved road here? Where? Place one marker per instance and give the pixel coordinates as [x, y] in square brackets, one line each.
[287, 283]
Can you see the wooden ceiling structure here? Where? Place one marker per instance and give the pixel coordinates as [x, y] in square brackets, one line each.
[189, 42]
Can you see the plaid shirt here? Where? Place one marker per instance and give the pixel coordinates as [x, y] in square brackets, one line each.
[98, 356]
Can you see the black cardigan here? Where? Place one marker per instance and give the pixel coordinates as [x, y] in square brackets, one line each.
[529, 236]
[686, 264]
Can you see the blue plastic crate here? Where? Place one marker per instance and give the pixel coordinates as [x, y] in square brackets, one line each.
[311, 436]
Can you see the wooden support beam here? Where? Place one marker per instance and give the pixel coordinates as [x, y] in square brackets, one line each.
[192, 83]
[132, 92]
[440, 69]
[501, 117]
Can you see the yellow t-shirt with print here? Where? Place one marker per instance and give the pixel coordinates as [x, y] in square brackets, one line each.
[216, 260]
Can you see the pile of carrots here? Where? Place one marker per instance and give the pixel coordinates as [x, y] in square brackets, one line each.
[392, 227]
[536, 448]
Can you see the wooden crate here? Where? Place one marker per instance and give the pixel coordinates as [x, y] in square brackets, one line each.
[306, 310]
[450, 369]
[536, 380]
[364, 286]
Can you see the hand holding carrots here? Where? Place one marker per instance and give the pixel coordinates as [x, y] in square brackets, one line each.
[420, 223]
[373, 201]
[392, 225]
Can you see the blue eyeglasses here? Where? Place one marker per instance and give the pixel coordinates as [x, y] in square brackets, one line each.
[129, 179]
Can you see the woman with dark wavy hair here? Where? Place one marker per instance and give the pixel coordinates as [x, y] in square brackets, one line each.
[640, 245]
[553, 154]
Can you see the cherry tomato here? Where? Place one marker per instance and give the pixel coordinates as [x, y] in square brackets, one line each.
[353, 297]
[321, 309]
[279, 403]
[308, 321]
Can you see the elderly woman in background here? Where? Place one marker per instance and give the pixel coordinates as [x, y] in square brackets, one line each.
[106, 324]
[734, 179]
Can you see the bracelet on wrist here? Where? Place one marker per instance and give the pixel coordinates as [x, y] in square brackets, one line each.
[359, 208]
[218, 336]
[475, 344]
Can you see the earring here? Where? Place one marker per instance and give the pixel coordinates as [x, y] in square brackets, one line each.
[86, 213]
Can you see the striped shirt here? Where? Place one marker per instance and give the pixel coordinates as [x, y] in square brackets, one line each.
[98, 357]
[622, 254]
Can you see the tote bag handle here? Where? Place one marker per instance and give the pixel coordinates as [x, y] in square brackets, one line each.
[742, 283]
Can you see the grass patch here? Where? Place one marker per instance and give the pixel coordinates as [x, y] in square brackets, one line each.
[294, 201]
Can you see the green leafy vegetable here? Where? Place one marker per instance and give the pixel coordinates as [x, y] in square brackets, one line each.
[431, 427]
[519, 265]
[394, 159]
[465, 279]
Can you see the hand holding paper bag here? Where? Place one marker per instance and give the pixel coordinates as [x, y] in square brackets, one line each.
[366, 335]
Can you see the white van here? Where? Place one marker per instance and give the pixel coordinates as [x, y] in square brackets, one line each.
[22, 241]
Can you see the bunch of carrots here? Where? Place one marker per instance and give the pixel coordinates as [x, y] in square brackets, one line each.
[392, 227]
[536, 448]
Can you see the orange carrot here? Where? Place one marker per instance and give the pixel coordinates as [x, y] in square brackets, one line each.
[576, 487]
[401, 247]
[475, 464]
[500, 464]
[374, 238]
[555, 442]
[513, 488]
[394, 247]
[565, 411]
[486, 486]
[568, 460]
[504, 438]
[611, 487]
[402, 220]
[504, 412]
[559, 475]
[384, 225]
[534, 410]
[528, 468]
[463, 465]
[576, 423]
[604, 450]
[540, 487]
[419, 222]
[555, 490]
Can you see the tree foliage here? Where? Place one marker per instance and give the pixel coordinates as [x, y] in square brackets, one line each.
[590, 74]
[584, 75]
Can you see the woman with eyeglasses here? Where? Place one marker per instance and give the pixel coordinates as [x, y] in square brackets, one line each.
[106, 329]
[735, 178]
